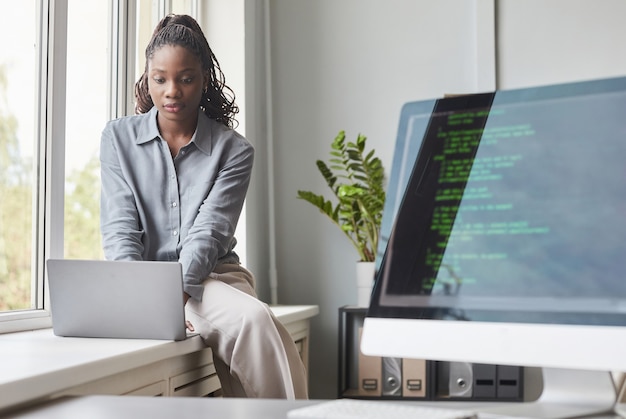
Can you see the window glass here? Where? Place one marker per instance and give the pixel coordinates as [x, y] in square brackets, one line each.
[86, 114]
[88, 90]
[148, 15]
[18, 109]
[183, 7]
[147, 18]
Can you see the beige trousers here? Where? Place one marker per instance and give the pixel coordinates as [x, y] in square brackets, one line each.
[254, 355]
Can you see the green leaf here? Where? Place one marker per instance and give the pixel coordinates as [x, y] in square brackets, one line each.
[356, 181]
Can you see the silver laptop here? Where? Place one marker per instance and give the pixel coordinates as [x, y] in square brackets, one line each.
[116, 299]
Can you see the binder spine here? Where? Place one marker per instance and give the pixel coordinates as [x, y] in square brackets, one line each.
[374, 377]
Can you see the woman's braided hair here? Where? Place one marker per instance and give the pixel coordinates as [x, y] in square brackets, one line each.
[218, 100]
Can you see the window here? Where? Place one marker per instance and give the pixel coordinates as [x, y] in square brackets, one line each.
[52, 111]
[18, 154]
[86, 113]
[87, 88]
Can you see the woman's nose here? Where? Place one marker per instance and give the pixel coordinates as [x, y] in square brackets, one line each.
[172, 89]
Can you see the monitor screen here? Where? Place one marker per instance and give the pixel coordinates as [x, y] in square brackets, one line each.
[414, 119]
[511, 232]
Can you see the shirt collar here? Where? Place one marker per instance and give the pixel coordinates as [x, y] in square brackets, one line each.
[201, 138]
[149, 129]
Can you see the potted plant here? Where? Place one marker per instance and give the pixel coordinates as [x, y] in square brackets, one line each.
[355, 178]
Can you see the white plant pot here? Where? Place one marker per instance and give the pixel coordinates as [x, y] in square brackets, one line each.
[365, 282]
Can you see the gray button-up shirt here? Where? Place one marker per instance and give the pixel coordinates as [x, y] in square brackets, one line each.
[155, 207]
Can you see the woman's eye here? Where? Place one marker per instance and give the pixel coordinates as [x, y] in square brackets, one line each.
[157, 80]
[187, 80]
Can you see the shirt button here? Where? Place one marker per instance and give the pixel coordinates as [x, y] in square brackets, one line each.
[172, 177]
[174, 233]
[174, 204]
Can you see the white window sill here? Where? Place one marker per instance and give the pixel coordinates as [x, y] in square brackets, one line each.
[36, 364]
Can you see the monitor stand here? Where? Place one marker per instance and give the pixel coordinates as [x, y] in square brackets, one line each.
[568, 393]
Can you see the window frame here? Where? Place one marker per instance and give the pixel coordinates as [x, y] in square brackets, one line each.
[48, 188]
[49, 185]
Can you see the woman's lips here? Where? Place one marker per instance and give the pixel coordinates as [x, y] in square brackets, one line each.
[173, 107]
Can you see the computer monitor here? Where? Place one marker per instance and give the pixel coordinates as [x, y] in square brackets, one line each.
[508, 245]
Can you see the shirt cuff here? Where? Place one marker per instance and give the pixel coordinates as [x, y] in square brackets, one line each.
[194, 291]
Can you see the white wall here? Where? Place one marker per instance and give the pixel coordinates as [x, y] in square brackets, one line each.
[350, 65]
[543, 42]
[223, 23]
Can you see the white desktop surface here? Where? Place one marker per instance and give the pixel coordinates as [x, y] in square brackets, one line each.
[37, 363]
[134, 407]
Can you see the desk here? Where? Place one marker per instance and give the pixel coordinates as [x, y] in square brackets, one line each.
[37, 366]
[136, 407]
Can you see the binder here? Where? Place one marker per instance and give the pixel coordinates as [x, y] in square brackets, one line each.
[509, 382]
[392, 376]
[461, 379]
[484, 381]
[370, 373]
[414, 382]
[454, 379]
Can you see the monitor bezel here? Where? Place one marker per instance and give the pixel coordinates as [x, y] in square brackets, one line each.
[400, 332]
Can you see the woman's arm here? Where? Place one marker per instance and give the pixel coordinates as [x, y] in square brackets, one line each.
[210, 237]
[119, 220]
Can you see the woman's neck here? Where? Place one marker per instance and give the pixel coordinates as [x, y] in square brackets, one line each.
[177, 134]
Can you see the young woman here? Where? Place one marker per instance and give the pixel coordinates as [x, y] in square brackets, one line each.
[174, 179]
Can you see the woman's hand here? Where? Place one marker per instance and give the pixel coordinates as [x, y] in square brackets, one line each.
[187, 322]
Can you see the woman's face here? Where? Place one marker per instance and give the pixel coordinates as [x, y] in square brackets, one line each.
[175, 83]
